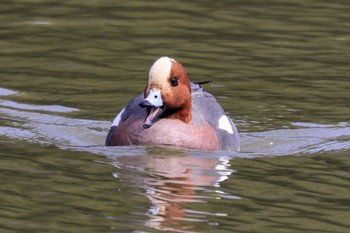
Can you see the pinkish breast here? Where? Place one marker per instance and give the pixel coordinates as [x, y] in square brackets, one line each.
[167, 132]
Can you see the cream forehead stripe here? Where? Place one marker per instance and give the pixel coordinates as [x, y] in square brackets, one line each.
[160, 70]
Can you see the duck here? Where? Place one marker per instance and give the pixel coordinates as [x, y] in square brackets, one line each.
[173, 111]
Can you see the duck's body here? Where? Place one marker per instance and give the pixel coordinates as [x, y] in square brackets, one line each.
[173, 111]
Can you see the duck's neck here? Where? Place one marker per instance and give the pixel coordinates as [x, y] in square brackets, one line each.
[184, 114]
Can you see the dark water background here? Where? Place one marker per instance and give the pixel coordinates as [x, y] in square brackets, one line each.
[280, 69]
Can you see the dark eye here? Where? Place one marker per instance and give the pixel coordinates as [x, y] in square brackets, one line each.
[174, 81]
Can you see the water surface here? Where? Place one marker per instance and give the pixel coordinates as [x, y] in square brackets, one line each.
[280, 70]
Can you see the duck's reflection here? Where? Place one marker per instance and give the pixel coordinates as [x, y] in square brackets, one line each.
[173, 180]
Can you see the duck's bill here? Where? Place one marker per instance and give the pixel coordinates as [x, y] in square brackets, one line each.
[153, 115]
[154, 104]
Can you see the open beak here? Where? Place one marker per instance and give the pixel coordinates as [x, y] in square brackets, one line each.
[155, 106]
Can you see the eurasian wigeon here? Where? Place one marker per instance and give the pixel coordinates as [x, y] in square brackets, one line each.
[173, 111]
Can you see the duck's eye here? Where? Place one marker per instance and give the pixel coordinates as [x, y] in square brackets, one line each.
[174, 81]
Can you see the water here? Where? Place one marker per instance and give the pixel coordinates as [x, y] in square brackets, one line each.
[281, 70]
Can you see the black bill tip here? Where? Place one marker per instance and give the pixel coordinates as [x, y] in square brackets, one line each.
[146, 126]
[145, 103]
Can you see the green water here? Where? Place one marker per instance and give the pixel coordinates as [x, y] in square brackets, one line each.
[281, 70]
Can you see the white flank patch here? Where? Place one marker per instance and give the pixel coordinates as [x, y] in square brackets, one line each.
[118, 118]
[225, 124]
[160, 70]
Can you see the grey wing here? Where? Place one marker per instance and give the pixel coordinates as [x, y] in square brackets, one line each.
[132, 108]
[205, 106]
